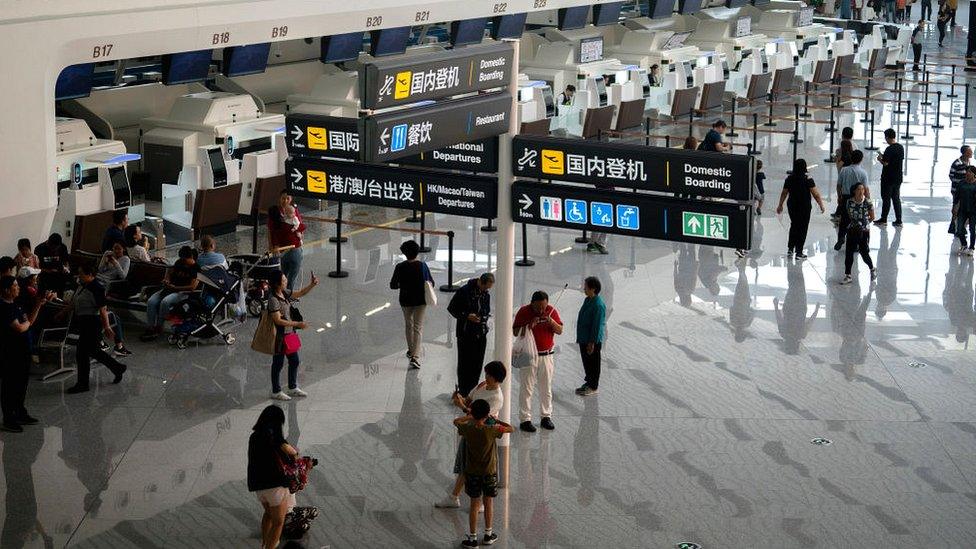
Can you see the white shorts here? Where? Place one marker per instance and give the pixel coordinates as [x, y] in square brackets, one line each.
[273, 497]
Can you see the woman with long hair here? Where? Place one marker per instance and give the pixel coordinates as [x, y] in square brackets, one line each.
[798, 189]
[265, 450]
[281, 310]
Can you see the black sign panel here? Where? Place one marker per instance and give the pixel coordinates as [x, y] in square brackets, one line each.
[402, 80]
[408, 132]
[632, 214]
[477, 156]
[661, 169]
[392, 187]
[318, 136]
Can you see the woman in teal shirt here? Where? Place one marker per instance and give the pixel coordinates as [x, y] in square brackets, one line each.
[590, 333]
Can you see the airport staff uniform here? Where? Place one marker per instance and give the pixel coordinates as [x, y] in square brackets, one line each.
[542, 371]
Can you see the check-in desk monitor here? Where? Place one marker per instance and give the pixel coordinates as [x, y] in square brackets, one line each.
[601, 90]
[218, 168]
[119, 184]
[549, 101]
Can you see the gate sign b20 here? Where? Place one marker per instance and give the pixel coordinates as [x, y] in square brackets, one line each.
[698, 173]
[407, 79]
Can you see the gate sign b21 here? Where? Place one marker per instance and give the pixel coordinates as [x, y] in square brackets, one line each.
[698, 173]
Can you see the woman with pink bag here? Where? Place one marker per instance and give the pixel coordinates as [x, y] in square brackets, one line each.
[284, 315]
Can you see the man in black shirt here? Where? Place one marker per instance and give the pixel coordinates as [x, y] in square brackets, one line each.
[91, 321]
[15, 342]
[52, 256]
[116, 231]
[471, 306]
[891, 178]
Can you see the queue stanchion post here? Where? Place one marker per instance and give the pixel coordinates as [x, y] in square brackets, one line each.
[830, 127]
[831, 157]
[338, 272]
[424, 248]
[769, 122]
[938, 110]
[338, 236]
[525, 261]
[255, 218]
[867, 101]
[952, 84]
[794, 141]
[796, 126]
[908, 115]
[450, 286]
[647, 131]
[582, 239]
[926, 102]
[667, 141]
[965, 106]
[925, 68]
[755, 135]
[806, 100]
[871, 146]
[732, 121]
[691, 122]
[899, 85]
[414, 218]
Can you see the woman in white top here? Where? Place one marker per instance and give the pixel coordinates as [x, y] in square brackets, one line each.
[490, 390]
[136, 244]
[114, 265]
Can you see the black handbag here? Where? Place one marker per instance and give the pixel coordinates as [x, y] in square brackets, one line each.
[294, 314]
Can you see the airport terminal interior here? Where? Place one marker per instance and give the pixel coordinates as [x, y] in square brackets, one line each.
[749, 397]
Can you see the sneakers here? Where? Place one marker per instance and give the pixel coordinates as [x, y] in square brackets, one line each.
[414, 363]
[740, 253]
[102, 345]
[450, 501]
[279, 396]
[591, 247]
[489, 539]
[76, 389]
[897, 224]
[582, 389]
[969, 252]
[880, 223]
[121, 351]
[789, 254]
[589, 391]
[800, 255]
[847, 279]
[469, 542]
[527, 427]
[547, 424]
[118, 375]
[601, 248]
[296, 392]
[839, 245]
[874, 274]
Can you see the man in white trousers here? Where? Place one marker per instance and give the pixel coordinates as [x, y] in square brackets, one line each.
[544, 322]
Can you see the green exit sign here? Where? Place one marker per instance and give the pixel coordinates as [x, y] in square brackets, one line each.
[704, 225]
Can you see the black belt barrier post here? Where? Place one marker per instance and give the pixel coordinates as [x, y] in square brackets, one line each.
[424, 248]
[806, 100]
[338, 237]
[938, 110]
[830, 157]
[338, 272]
[691, 122]
[899, 85]
[414, 218]
[755, 135]
[952, 84]
[525, 261]
[908, 116]
[796, 126]
[769, 123]
[871, 147]
[732, 121]
[965, 106]
[830, 128]
[925, 62]
[926, 102]
[647, 131]
[867, 101]
[582, 239]
[450, 286]
[489, 228]
[667, 141]
[254, 231]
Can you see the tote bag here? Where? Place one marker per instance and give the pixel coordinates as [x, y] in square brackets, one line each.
[430, 293]
[265, 335]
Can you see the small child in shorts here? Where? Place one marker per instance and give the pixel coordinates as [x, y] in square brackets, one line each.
[480, 466]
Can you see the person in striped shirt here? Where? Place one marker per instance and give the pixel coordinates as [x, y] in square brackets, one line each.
[957, 176]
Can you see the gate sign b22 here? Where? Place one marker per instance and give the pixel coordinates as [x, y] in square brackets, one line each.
[698, 173]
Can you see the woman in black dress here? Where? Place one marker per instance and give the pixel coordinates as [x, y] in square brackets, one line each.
[798, 189]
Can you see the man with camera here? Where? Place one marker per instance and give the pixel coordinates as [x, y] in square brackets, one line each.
[471, 306]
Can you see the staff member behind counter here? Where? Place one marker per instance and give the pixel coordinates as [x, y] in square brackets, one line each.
[566, 97]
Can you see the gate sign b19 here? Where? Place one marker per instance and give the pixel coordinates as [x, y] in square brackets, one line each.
[407, 79]
[394, 187]
[662, 169]
[632, 214]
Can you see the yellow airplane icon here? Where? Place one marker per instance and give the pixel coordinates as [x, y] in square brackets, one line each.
[402, 88]
[553, 162]
[317, 138]
[316, 181]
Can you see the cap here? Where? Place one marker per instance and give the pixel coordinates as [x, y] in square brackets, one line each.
[25, 272]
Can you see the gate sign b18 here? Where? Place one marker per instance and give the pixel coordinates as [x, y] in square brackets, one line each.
[632, 214]
[662, 169]
[407, 79]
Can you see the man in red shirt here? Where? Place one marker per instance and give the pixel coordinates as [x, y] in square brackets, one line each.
[544, 321]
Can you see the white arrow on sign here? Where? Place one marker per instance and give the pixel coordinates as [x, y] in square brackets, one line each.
[384, 136]
[694, 223]
[296, 175]
[297, 132]
[525, 201]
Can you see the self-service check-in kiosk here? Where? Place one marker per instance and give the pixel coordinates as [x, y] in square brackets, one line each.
[91, 176]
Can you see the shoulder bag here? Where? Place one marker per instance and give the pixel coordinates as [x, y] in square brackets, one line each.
[265, 335]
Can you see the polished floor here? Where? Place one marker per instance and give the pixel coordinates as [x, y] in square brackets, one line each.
[718, 375]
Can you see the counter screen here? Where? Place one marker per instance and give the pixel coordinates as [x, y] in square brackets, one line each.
[469, 31]
[388, 41]
[242, 60]
[573, 18]
[688, 7]
[182, 68]
[508, 26]
[341, 47]
[120, 187]
[75, 81]
[606, 14]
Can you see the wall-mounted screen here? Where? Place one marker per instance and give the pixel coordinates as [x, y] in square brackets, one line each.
[469, 31]
[388, 41]
[120, 187]
[508, 26]
[243, 60]
[661, 9]
[590, 50]
[606, 14]
[341, 47]
[74, 81]
[743, 27]
[572, 18]
[190, 66]
[688, 7]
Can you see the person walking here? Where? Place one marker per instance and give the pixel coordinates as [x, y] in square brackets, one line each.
[471, 306]
[798, 189]
[891, 177]
[543, 321]
[952, 8]
[90, 320]
[957, 176]
[860, 211]
[411, 278]
[15, 341]
[942, 19]
[917, 41]
[849, 177]
[926, 11]
[283, 314]
[285, 229]
[965, 210]
[590, 333]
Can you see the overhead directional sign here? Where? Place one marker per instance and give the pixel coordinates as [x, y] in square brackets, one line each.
[476, 156]
[408, 79]
[318, 136]
[644, 215]
[662, 169]
[408, 132]
[394, 187]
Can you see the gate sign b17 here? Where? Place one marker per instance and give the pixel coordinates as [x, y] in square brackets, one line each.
[407, 79]
[662, 169]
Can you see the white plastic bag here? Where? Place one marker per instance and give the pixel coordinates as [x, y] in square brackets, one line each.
[524, 351]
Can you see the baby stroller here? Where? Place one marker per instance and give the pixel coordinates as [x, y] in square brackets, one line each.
[201, 314]
[255, 270]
